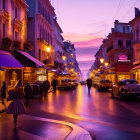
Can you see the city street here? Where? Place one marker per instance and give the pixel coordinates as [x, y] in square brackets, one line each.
[104, 117]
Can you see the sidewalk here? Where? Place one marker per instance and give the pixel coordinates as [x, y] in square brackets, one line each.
[2, 107]
[38, 128]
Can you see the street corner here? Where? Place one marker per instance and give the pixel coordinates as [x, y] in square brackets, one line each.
[53, 129]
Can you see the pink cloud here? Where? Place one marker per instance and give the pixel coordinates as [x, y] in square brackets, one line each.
[84, 69]
[84, 40]
[85, 58]
[93, 42]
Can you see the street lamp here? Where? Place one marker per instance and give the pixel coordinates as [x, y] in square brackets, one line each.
[48, 49]
[64, 57]
[101, 60]
[106, 64]
[72, 69]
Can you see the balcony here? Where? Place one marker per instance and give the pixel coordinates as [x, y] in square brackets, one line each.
[17, 25]
[4, 15]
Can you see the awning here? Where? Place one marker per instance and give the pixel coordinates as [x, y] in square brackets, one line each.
[135, 68]
[123, 67]
[8, 61]
[27, 60]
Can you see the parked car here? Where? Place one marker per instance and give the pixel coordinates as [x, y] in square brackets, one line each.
[124, 88]
[74, 83]
[65, 84]
[83, 82]
[104, 84]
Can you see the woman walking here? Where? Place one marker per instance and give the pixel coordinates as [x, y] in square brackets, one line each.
[16, 107]
[3, 93]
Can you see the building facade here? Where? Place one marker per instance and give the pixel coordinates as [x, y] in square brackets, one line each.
[41, 34]
[13, 35]
[59, 47]
[135, 23]
[117, 53]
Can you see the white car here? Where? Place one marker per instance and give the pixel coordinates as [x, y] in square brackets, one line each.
[65, 84]
[124, 88]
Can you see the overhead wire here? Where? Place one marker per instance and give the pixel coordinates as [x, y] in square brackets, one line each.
[129, 10]
[117, 10]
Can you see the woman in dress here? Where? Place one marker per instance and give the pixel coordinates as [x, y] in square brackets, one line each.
[16, 107]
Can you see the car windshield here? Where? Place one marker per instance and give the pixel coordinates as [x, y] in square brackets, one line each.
[131, 82]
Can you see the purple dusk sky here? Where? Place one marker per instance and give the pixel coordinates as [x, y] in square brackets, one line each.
[86, 22]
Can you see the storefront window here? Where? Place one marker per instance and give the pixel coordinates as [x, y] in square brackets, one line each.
[2, 77]
[123, 76]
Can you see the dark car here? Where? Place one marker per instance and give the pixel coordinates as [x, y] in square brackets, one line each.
[125, 88]
[83, 82]
[104, 85]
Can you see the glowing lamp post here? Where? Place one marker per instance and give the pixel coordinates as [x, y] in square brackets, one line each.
[72, 70]
[101, 60]
[64, 57]
[106, 64]
[48, 49]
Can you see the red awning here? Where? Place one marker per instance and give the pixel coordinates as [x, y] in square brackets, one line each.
[123, 67]
[137, 67]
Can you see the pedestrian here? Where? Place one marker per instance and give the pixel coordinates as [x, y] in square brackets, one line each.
[41, 89]
[16, 107]
[89, 84]
[28, 93]
[46, 87]
[54, 84]
[3, 92]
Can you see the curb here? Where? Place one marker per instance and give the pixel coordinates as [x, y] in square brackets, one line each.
[77, 133]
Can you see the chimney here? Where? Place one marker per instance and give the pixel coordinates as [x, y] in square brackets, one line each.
[137, 12]
[116, 21]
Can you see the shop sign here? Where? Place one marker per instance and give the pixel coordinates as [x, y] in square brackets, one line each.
[41, 72]
[123, 58]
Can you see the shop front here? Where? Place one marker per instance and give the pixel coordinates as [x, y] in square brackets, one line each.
[135, 73]
[10, 69]
[29, 75]
[33, 69]
[123, 71]
[41, 74]
[110, 74]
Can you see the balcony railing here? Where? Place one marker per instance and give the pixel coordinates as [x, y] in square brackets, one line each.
[4, 14]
